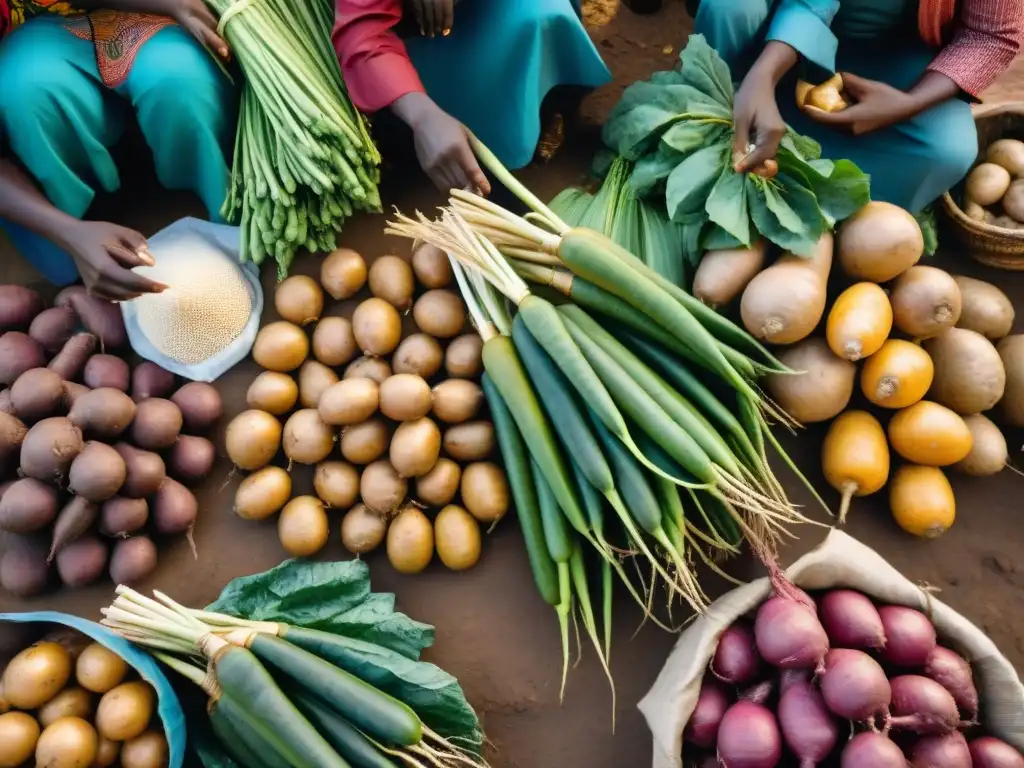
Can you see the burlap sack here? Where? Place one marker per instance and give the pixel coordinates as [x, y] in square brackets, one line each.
[840, 561]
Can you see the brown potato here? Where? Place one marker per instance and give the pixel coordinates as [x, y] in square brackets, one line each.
[472, 441]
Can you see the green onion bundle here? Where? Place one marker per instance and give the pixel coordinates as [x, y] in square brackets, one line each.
[304, 160]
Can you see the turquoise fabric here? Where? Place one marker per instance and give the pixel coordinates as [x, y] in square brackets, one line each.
[500, 61]
[911, 164]
[60, 121]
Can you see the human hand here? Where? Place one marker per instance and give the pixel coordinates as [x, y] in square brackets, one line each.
[435, 17]
[193, 16]
[758, 126]
[877, 105]
[442, 147]
[104, 254]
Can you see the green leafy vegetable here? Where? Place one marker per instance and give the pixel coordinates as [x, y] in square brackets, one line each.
[929, 228]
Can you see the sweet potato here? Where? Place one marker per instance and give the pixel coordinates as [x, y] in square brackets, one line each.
[73, 391]
[97, 473]
[12, 434]
[157, 424]
[121, 516]
[18, 306]
[200, 405]
[82, 562]
[38, 393]
[53, 327]
[71, 359]
[174, 508]
[145, 471]
[101, 318]
[24, 571]
[77, 517]
[49, 448]
[150, 380]
[28, 505]
[6, 406]
[106, 371]
[19, 352]
[102, 413]
[191, 459]
[132, 560]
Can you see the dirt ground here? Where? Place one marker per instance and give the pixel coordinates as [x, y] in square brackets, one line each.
[493, 632]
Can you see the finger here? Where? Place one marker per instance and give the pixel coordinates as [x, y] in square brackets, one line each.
[447, 16]
[430, 19]
[475, 177]
[741, 138]
[210, 34]
[125, 256]
[131, 281]
[417, 8]
[842, 117]
[854, 84]
[761, 154]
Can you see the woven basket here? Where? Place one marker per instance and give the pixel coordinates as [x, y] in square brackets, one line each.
[993, 246]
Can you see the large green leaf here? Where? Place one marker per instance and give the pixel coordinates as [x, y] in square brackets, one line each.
[769, 204]
[692, 180]
[727, 204]
[652, 169]
[705, 70]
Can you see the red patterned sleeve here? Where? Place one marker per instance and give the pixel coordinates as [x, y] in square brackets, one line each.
[986, 38]
[373, 59]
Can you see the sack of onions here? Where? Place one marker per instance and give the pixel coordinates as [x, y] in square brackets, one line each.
[864, 669]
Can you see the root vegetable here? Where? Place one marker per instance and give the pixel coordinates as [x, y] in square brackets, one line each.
[930, 434]
[73, 391]
[336, 483]
[263, 493]
[418, 354]
[97, 473]
[150, 380]
[390, 278]
[1011, 405]
[410, 542]
[18, 306]
[350, 401]
[405, 397]
[952, 672]
[145, 471]
[808, 727]
[826, 96]
[19, 734]
[68, 743]
[986, 184]
[947, 751]
[103, 413]
[381, 488]
[343, 273]
[36, 394]
[485, 491]
[897, 375]
[921, 705]
[457, 400]
[121, 516]
[307, 438]
[280, 346]
[49, 448]
[71, 702]
[191, 459]
[440, 313]
[872, 750]
[472, 441]
[314, 379]
[925, 302]
[174, 508]
[71, 359]
[333, 342]
[200, 405]
[786, 301]
[273, 392]
[748, 737]
[36, 675]
[299, 299]
[822, 386]
[362, 531]
[53, 327]
[855, 457]
[18, 353]
[990, 752]
[921, 500]
[439, 486]
[989, 453]
[82, 561]
[457, 538]
[910, 636]
[24, 571]
[986, 309]
[101, 318]
[712, 704]
[368, 368]
[879, 242]
[365, 442]
[132, 560]
[252, 439]
[851, 620]
[431, 266]
[969, 374]
[464, 357]
[854, 685]
[302, 527]
[157, 424]
[722, 275]
[1009, 153]
[76, 517]
[789, 635]
[736, 662]
[12, 435]
[106, 371]
[859, 322]
[377, 327]
[146, 751]
[28, 505]
[415, 447]
[124, 712]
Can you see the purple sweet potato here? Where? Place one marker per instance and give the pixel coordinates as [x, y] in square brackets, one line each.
[19, 352]
[18, 306]
[102, 413]
[73, 391]
[49, 448]
[37, 394]
[12, 434]
[28, 505]
[101, 318]
[106, 371]
[191, 459]
[157, 424]
[150, 380]
[77, 517]
[53, 327]
[146, 471]
[71, 359]
[200, 405]
[24, 571]
[174, 508]
[82, 562]
[6, 406]
[121, 516]
[132, 560]
[97, 473]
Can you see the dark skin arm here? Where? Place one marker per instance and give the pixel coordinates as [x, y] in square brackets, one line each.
[192, 15]
[756, 117]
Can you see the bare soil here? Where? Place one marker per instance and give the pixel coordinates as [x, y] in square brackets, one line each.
[493, 632]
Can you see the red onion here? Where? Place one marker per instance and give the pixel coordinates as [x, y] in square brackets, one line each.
[921, 705]
[808, 727]
[854, 685]
[789, 635]
[952, 672]
[872, 750]
[736, 661]
[712, 703]
[749, 737]
[948, 751]
[909, 636]
[990, 752]
[851, 620]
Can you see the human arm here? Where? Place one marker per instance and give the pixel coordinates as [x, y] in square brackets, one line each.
[104, 253]
[192, 15]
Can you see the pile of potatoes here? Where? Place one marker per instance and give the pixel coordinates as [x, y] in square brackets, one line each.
[68, 702]
[405, 410]
[88, 471]
[994, 189]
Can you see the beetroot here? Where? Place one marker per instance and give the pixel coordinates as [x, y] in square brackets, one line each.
[789, 635]
[748, 737]
[921, 705]
[807, 725]
[909, 636]
[736, 661]
[854, 685]
[872, 750]
[851, 620]
[990, 752]
[948, 751]
[952, 672]
[712, 703]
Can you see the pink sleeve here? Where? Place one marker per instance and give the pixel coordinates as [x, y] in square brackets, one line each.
[373, 59]
[986, 38]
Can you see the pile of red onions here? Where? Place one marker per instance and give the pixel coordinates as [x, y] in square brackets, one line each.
[830, 681]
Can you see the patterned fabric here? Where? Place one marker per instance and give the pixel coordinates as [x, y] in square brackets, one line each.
[14, 12]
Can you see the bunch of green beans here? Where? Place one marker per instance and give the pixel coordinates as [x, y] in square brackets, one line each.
[304, 161]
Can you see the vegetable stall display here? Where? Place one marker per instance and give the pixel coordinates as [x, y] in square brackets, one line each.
[102, 475]
[993, 191]
[408, 415]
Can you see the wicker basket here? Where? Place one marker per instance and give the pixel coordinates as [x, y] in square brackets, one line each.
[993, 246]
